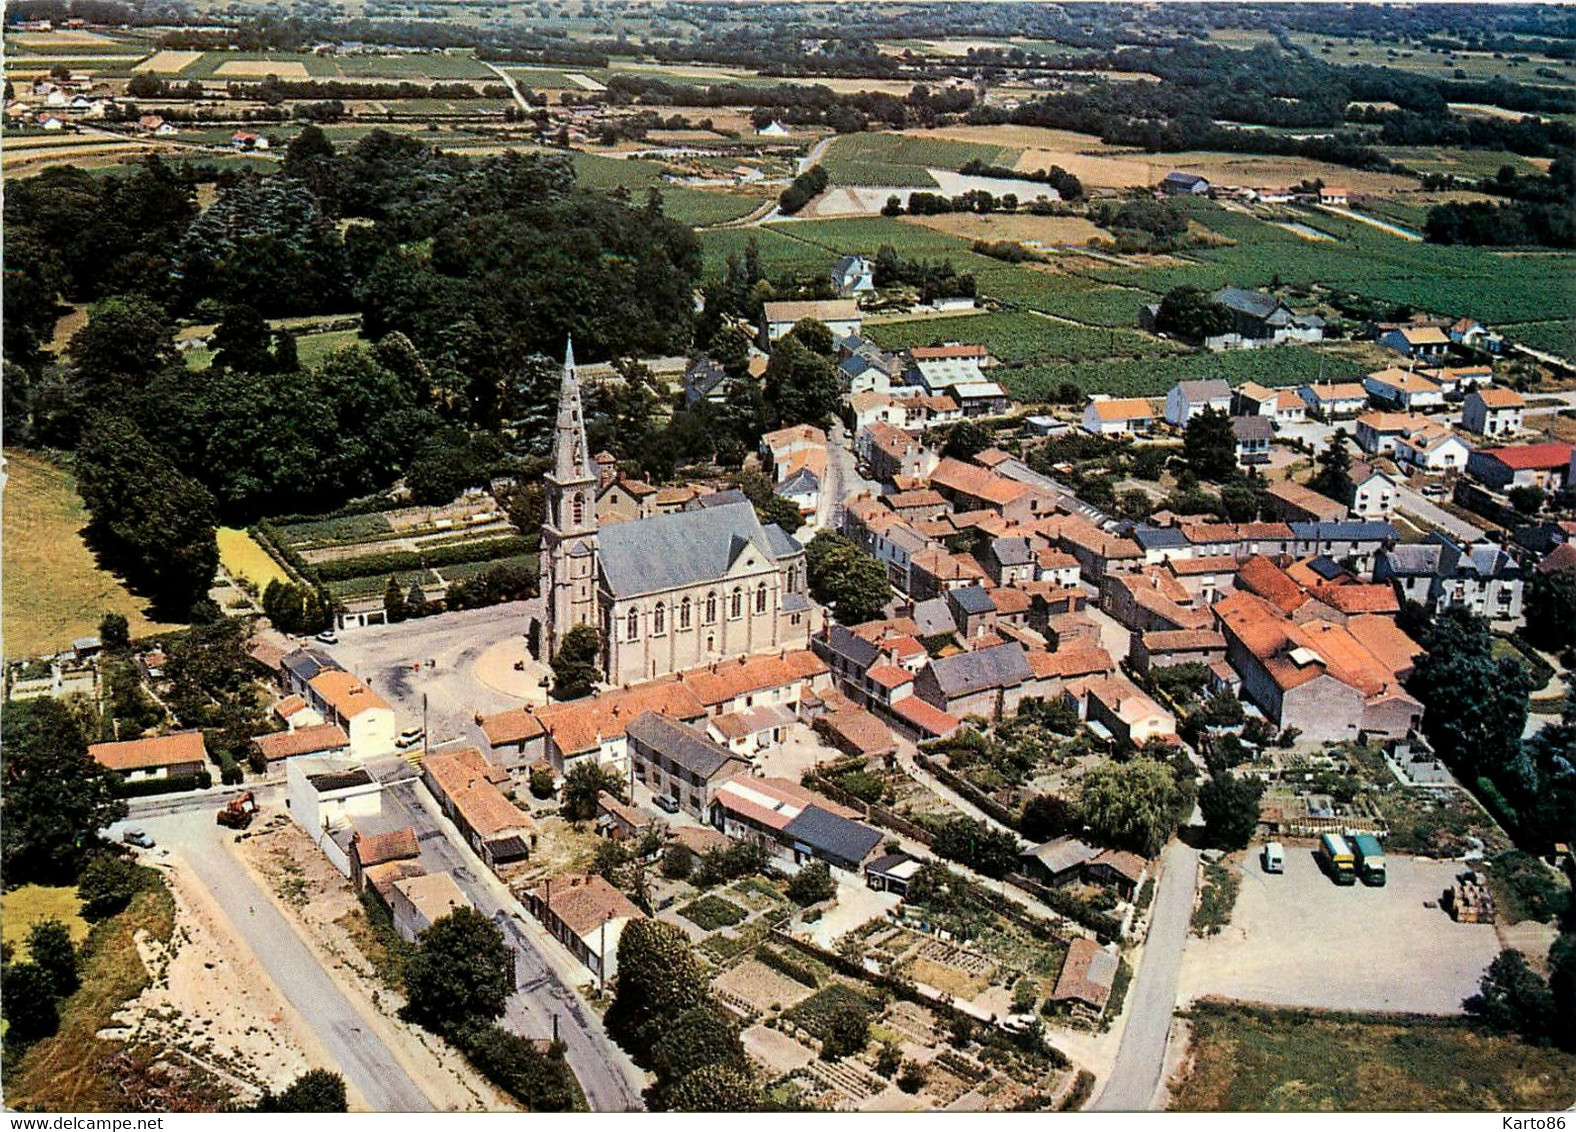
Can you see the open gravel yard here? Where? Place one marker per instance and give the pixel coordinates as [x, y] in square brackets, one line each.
[1298, 940]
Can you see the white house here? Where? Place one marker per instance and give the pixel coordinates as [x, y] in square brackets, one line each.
[365, 716]
[853, 275]
[1432, 448]
[1416, 341]
[1400, 389]
[1373, 493]
[1188, 397]
[1493, 412]
[841, 316]
[326, 796]
[877, 406]
[1333, 400]
[419, 902]
[1118, 416]
[1336, 197]
[773, 129]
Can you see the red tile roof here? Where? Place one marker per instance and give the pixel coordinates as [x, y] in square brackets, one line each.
[1532, 457]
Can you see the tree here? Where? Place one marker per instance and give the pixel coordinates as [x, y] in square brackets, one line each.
[1209, 445]
[677, 862]
[316, 1090]
[148, 519]
[1190, 312]
[114, 633]
[1551, 610]
[846, 1031]
[56, 798]
[1334, 477]
[844, 577]
[583, 785]
[1526, 499]
[462, 972]
[1230, 806]
[415, 602]
[1513, 999]
[716, 1088]
[29, 1005]
[127, 340]
[49, 945]
[801, 386]
[240, 341]
[1477, 705]
[659, 978]
[769, 506]
[541, 782]
[700, 1036]
[1131, 804]
[812, 884]
[967, 439]
[1048, 816]
[816, 336]
[576, 667]
[108, 885]
[393, 601]
[989, 851]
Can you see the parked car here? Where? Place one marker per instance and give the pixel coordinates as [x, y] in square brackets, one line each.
[1274, 857]
[410, 737]
[138, 838]
[667, 803]
[328, 637]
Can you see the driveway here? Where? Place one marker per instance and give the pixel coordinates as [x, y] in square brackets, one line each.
[1297, 940]
[1152, 998]
[367, 1063]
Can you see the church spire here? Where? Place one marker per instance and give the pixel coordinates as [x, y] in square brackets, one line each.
[571, 455]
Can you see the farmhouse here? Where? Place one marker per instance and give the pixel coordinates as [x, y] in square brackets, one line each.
[1523, 465]
[163, 756]
[1184, 184]
[1188, 397]
[1118, 416]
[1415, 341]
[1493, 412]
[841, 317]
[853, 275]
[587, 915]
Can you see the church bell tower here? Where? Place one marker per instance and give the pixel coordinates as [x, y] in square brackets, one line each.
[569, 529]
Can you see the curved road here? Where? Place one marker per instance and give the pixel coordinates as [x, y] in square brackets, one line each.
[1140, 1058]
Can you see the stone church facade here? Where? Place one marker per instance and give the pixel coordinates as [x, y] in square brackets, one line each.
[669, 592]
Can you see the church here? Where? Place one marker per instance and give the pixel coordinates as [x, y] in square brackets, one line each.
[668, 592]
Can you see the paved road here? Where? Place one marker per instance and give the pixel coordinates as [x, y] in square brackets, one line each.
[387, 657]
[1410, 502]
[366, 1062]
[843, 480]
[514, 87]
[1152, 998]
[610, 1080]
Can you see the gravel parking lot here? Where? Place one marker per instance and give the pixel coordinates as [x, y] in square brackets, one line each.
[1298, 940]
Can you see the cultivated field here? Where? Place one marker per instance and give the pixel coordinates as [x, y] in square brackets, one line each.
[258, 68]
[242, 557]
[1022, 227]
[1244, 1059]
[54, 591]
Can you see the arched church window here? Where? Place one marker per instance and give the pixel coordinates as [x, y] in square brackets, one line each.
[579, 509]
[736, 603]
[659, 620]
[632, 625]
[711, 607]
[760, 598]
[684, 614]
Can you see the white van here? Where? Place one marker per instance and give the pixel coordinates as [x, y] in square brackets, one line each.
[1274, 857]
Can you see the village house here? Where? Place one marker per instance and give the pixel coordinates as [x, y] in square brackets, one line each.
[1440, 573]
[892, 453]
[795, 824]
[1118, 416]
[323, 739]
[379, 857]
[1151, 599]
[1259, 317]
[1523, 465]
[871, 407]
[178, 754]
[853, 275]
[416, 903]
[673, 758]
[1168, 647]
[1116, 704]
[1186, 398]
[792, 447]
[466, 787]
[1290, 501]
[706, 380]
[1357, 541]
[1493, 412]
[331, 799]
[1401, 389]
[980, 398]
[1283, 406]
[1373, 492]
[1377, 432]
[841, 317]
[1088, 973]
[1415, 341]
[1432, 448]
[587, 915]
[364, 715]
[1253, 437]
[1335, 400]
[988, 682]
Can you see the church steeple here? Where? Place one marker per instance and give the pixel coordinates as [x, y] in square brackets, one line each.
[571, 454]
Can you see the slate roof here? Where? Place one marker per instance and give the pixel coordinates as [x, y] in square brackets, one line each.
[972, 599]
[934, 616]
[802, 482]
[1412, 560]
[679, 742]
[833, 835]
[1213, 389]
[1252, 428]
[1348, 530]
[1255, 304]
[307, 663]
[1013, 551]
[1159, 538]
[1001, 666]
[783, 544]
[689, 548]
[860, 652]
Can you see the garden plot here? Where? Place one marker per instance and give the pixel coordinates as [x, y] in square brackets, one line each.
[761, 989]
[260, 68]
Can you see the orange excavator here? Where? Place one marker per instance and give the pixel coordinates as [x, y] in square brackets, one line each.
[238, 812]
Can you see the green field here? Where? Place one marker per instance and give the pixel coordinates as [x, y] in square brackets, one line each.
[892, 159]
[780, 255]
[1020, 337]
[1151, 377]
[413, 67]
[1251, 1059]
[1556, 337]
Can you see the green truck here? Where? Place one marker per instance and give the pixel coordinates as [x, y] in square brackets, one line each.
[1337, 859]
[1370, 859]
